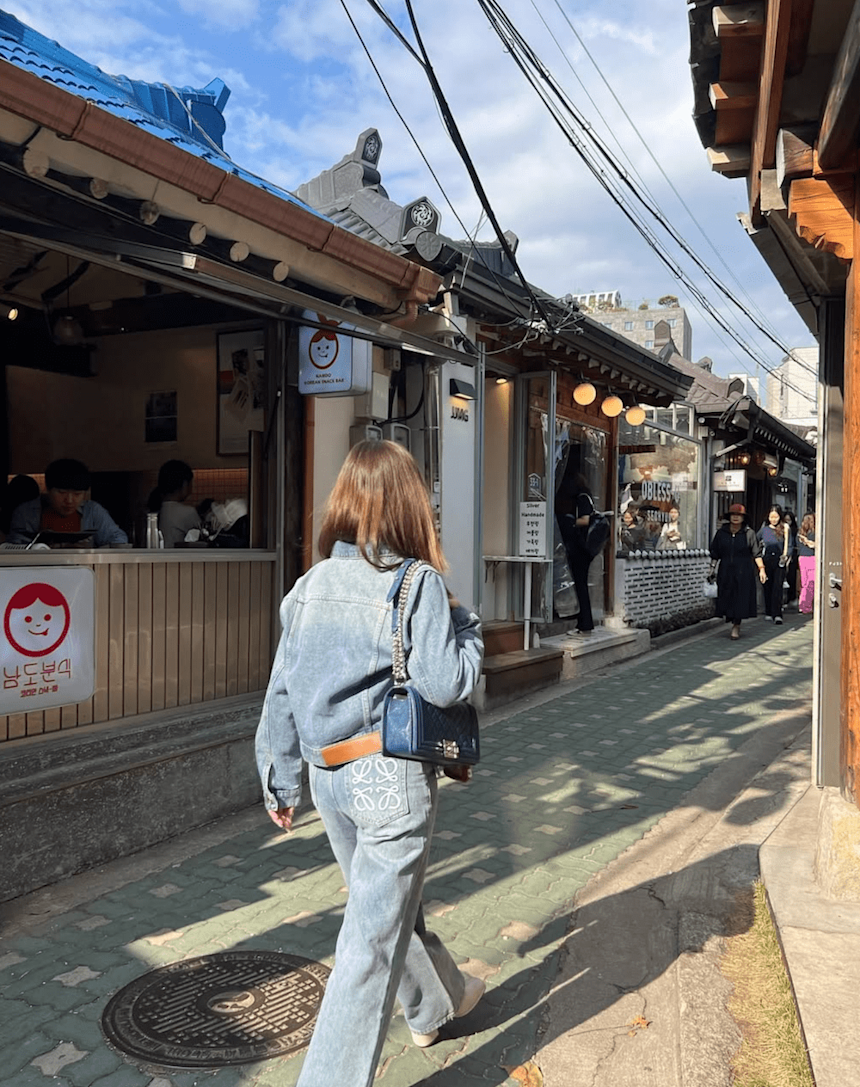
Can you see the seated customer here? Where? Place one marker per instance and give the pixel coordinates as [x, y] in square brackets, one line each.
[65, 508]
[175, 480]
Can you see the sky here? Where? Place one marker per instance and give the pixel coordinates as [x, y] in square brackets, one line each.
[303, 89]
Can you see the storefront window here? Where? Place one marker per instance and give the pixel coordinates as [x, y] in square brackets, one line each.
[658, 488]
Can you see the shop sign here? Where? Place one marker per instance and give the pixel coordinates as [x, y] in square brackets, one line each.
[533, 529]
[47, 643]
[332, 363]
[734, 480]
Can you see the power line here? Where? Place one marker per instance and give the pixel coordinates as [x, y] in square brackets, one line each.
[560, 107]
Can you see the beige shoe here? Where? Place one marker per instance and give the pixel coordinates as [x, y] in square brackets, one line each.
[473, 992]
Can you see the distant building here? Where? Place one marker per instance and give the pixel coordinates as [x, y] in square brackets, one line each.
[652, 327]
[792, 387]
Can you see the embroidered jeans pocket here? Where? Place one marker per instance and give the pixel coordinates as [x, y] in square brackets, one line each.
[376, 790]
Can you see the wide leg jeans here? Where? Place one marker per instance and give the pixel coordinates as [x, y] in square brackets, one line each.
[378, 813]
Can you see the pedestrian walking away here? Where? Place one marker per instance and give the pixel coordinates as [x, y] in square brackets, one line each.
[323, 705]
[735, 553]
[792, 566]
[773, 536]
[806, 560]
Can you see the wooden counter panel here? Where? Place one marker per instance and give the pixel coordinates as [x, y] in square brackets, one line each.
[169, 631]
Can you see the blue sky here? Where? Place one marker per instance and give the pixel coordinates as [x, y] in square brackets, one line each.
[303, 89]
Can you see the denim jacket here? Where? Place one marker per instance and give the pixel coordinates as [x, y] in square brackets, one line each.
[94, 518]
[332, 668]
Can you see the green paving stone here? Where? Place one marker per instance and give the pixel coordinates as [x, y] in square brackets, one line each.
[20, 1052]
[75, 1028]
[125, 1076]
[18, 1018]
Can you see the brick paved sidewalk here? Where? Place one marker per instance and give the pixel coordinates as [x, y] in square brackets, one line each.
[567, 783]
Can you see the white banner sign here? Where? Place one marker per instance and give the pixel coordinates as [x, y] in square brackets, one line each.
[533, 529]
[330, 362]
[734, 480]
[47, 645]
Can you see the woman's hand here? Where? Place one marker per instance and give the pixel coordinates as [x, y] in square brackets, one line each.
[282, 817]
[762, 575]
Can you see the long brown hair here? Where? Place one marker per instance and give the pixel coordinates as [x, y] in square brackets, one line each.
[807, 523]
[380, 502]
[779, 527]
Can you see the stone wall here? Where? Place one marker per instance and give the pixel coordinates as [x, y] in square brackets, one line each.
[662, 590]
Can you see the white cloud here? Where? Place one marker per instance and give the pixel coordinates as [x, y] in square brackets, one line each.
[229, 14]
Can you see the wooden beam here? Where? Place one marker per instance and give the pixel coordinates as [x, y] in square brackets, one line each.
[739, 20]
[795, 153]
[823, 210]
[849, 597]
[731, 160]
[798, 36]
[733, 95]
[840, 123]
[774, 53]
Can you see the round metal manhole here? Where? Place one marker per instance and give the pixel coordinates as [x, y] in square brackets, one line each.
[232, 1007]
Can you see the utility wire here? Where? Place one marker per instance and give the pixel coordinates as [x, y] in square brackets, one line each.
[648, 151]
[560, 107]
[474, 250]
[457, 139]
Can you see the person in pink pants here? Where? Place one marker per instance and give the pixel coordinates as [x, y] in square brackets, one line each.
[806, 561]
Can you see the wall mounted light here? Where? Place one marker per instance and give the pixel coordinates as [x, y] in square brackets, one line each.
[462, 389]
[612, 406]
[585, 393]
[635, 415]
[772, 471]
[9, 312]
[501, 380]
[743, 458]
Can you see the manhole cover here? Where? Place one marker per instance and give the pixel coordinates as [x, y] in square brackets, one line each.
[229, 1008]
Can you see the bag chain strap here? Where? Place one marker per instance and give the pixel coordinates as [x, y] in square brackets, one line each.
[398, 653]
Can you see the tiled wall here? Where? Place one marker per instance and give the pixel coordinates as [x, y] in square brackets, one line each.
[662, 590]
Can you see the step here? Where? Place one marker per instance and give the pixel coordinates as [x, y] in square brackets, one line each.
[517, 673]
[604, 646]
[502, 636]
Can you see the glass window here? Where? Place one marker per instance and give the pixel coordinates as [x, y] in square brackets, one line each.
[658, 489]
[649, 324]
[649, 343]
[672, 322]
[628, 326]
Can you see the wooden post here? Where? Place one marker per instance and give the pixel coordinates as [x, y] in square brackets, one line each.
[849, 596]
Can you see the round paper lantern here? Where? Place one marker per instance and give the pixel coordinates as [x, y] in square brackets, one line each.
[612, 406]
[584, 393]
[635, 416]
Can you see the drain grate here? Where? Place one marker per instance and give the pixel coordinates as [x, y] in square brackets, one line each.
[232, 1007]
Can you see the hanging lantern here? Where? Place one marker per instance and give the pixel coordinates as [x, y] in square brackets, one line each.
[612, 406]
[585, 393]
[635, 416]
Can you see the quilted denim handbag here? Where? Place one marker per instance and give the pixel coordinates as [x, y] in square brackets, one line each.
[412, 727]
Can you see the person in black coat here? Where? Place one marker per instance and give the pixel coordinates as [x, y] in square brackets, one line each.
[573, 525]
[738, 551]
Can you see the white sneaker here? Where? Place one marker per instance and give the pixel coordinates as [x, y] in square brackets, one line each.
[473, 992]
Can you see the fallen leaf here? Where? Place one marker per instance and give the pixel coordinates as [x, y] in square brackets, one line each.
[639, 1023]
[528, 1074]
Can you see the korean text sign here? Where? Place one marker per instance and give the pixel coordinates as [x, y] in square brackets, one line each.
[533, 529]
[47, 640]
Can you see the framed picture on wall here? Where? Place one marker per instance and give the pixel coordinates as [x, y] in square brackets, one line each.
[241, 387]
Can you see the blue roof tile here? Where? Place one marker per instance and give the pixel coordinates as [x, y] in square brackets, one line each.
[188, 118]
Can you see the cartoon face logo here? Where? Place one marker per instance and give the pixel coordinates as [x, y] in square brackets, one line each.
[37, 619]
[324, 344]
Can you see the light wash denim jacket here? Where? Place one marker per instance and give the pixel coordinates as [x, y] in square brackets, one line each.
[332, 668]
[94, 518]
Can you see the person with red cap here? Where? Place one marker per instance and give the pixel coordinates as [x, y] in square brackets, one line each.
[735, 553]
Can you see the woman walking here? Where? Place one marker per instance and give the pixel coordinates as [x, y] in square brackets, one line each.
[806, 560]
[737, 550]
[792, 567]
[324, 705]
[773, 536]
[573, 523]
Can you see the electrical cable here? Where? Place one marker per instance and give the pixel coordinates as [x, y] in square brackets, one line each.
[542, 82]
[454, 133]
[474, 250]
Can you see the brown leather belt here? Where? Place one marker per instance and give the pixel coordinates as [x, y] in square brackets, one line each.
[369, 743]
